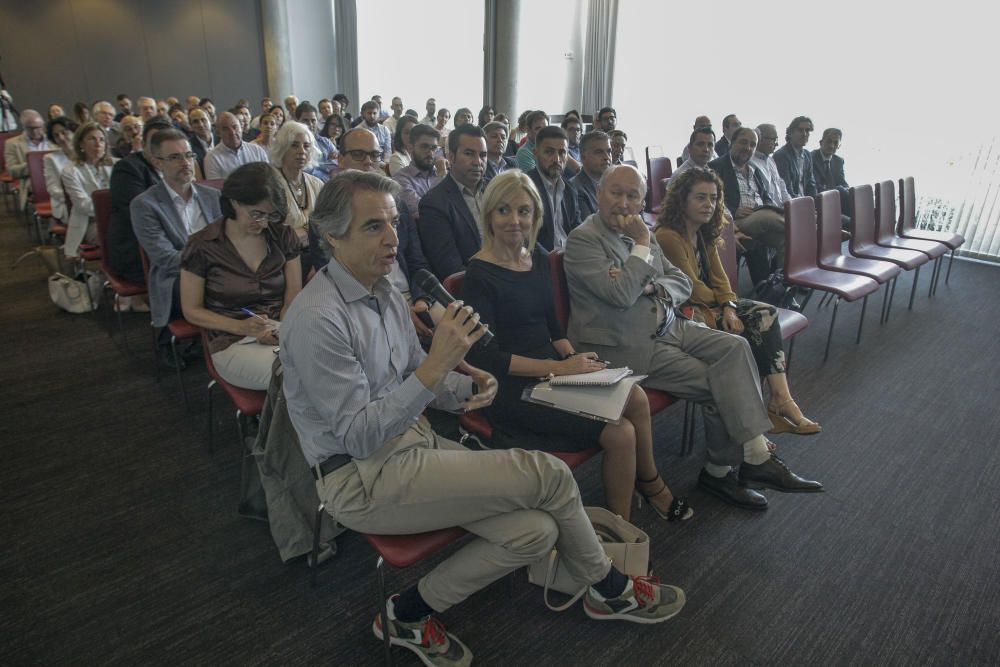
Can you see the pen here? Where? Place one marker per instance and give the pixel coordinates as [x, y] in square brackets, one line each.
[253, 314]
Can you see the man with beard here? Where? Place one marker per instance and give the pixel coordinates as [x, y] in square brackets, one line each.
[754, 212]
[369, 115]
[424, 171]
[595, 155]
[561, 215]
[449, 223]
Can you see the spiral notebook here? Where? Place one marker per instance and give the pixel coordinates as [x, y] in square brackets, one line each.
[604, 378]
[602, 403]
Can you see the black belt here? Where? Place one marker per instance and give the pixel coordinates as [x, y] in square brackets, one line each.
[335, 462]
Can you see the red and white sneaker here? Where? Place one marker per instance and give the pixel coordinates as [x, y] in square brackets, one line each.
[427, 638]
[644, 600]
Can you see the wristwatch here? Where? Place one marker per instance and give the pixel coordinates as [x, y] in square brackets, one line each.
[731, 304]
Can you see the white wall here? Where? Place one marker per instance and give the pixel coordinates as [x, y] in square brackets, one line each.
[779, 59]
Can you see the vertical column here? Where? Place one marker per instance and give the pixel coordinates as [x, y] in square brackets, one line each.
[277, 50]
[505, 28]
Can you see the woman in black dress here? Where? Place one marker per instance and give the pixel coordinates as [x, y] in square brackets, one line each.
[508, 284]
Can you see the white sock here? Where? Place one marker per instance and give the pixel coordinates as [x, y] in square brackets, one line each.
[755, 451]
[716, 471]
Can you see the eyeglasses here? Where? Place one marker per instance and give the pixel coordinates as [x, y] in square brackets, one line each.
[261, 216]
[359, 155]
[177, 157]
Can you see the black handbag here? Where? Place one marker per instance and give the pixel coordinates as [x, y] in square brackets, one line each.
[772, 289]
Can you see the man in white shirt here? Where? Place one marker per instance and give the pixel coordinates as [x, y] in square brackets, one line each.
[397, 113]
[700, 149]
[699, 122]
[231, 151]
[767, 141]
[164, 216]
[431, 116]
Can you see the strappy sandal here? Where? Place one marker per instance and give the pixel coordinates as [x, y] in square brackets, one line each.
[679, 509]
[782, 424]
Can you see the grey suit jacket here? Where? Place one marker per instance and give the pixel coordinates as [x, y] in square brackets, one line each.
[162, 234]
[612, 316]
[586, 194]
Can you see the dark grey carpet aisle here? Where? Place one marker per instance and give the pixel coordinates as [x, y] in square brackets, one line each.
[121, 543]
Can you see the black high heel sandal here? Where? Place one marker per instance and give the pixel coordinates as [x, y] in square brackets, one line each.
[679, 509]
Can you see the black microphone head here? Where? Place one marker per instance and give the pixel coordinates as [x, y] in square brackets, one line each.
[426, 280]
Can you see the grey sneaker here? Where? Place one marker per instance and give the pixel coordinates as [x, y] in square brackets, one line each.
[427, 638]
[645, 600]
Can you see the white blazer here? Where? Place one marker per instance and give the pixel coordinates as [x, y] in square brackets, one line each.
[79, 181]
[55, 164]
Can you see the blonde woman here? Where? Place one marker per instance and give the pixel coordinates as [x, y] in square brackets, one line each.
[508, 283]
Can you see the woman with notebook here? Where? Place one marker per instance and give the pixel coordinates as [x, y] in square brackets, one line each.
[508, 284]
[688, 231]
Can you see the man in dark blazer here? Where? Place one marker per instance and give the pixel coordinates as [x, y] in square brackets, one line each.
[748, 201]
[130, 177]
[595, 158]
[559, 198]
[729, 125]
[496, 142]
[794, 163]
[828, 170]
[163, 217]
[449, 222]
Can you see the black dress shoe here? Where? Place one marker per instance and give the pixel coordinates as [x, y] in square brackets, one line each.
[728, 488]
[774, 474]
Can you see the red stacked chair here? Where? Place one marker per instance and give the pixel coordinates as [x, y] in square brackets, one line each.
[119, 286]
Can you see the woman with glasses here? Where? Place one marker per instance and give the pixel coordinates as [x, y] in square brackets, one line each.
[333, 129]
[240, 274]
[91, 170]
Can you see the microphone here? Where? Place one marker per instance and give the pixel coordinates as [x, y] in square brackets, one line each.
[430, 284]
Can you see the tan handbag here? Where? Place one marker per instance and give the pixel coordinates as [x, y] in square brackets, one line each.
[626, 546]
[75, 296]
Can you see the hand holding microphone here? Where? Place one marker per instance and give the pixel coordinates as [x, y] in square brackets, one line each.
[427, 282]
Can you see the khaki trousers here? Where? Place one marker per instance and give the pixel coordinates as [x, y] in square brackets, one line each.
[717, 370]
[767, 227]
[518, 504]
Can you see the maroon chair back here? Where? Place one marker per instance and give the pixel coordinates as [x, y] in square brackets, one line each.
[36, 173]
[885, 212]
[907, 206]
[862, 216]
[560, 288]
[653, 152]
[800, 235]
[728, 255]
[453, 284]
[657, 169]
[829, 226]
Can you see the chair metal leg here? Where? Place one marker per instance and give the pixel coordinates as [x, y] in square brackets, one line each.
[314, 556]
[885, 303]
[913, 290]
[156, 356]
[245, 456]
[177, 368]
[211, 423]
[950, 262]
[788, 357]
[937, 274]
[892, 295]
[829, 336]
[383, 608]
[861, 322]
